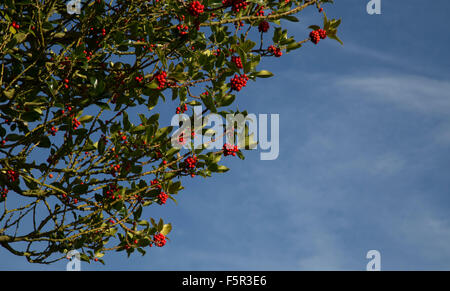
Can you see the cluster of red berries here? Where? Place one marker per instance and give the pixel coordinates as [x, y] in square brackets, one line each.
[75, 123]
[66, 85]
[182, 109]
[196, 8]
[317, 35]
[263, 26]
[239, 24]
[53, 131]
[87, 54]
[139, 78]
[322, 33]
[150, 48]
[162, 198]
[236, 5]
[115, 169]
[229, 149]
[3, 141]
[12, 175]
[237, 61]
[191, 162]
[260, 10]
[3, 193]
[15, 25]
[103, 31]
[161, 79]
[238, 82]
[155, 183]
[276, 51]
[183, 29]
[68, 108]
[110, 193]
[159, 239]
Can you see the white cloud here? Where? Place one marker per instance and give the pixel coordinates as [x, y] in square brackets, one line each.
[417, 93]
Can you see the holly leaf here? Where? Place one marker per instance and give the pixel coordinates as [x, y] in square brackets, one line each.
[166, 229]
[85, 118]
[263, 74]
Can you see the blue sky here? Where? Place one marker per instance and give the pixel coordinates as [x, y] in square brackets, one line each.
[364, 158]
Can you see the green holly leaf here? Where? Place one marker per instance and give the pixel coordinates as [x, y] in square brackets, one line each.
[44, 142]
[293, 46]
[263, 74]
[86, 118]
[209, 102]
[166, 229]
[101, 146]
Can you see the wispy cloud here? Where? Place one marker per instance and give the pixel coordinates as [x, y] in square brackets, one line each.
[410, 92]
